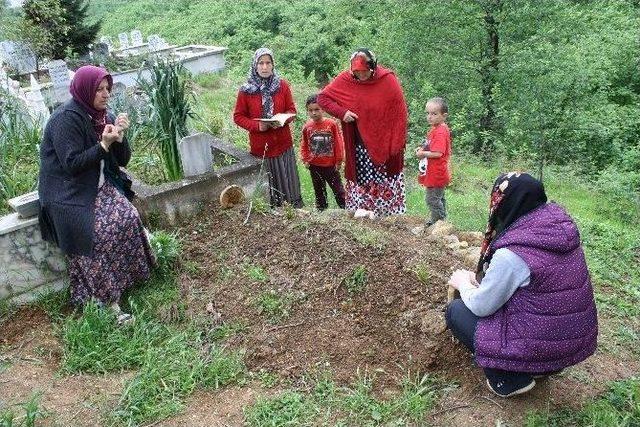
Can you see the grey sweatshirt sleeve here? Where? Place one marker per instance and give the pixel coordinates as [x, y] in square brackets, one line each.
[506, 273]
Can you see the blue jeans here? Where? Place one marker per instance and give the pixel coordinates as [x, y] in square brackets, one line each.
[462, 323]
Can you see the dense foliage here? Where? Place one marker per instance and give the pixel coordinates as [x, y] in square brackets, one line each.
[556, 81]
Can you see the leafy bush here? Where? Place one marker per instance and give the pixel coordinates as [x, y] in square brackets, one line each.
[167, 249]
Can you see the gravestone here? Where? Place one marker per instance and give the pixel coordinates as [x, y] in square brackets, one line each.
[154, 42]
[100, 51]
[123, 38]
[136, 38]
[59, 74]
[37, 107]
[195, 154]
[18, 56]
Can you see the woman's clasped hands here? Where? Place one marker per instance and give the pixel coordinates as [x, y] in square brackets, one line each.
[461, 279]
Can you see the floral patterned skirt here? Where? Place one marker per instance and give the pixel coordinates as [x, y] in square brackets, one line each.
[121, 252]
[375, 190]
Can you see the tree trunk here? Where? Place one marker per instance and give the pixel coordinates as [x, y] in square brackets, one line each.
[488, 70]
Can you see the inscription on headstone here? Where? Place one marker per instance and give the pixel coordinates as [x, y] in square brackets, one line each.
[123, 38]
[59, 73]
[136, 38]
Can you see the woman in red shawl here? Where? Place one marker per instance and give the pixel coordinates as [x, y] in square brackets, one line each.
[369, 101]
[84, 206]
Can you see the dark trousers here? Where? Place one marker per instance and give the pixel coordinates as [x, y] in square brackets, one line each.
[329, 175]
[462, 323]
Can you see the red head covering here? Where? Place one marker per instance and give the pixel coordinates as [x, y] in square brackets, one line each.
[359, 63]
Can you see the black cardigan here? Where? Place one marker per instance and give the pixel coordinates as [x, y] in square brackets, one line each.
[70, 158]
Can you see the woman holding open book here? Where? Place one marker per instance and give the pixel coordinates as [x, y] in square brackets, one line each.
[369, 101]
[265, 107]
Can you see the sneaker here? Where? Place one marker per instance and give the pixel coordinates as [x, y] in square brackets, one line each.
[510, 388]
[545, 374]
[125, 318]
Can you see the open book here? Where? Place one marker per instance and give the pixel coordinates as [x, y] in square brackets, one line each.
[279, 118]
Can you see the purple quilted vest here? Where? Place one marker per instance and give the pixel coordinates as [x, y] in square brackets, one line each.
[552, 322]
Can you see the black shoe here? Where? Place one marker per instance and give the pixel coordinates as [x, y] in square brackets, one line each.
[545, 374]
[511, 387]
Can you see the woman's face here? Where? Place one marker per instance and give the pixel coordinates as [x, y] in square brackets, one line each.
[362, 74]
[102, 96]
[265, 66]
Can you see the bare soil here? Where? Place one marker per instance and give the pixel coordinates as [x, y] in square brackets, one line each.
[392, 325]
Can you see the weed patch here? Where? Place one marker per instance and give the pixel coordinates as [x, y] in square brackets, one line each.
[31, 409]
[274, 306]
[357, 280]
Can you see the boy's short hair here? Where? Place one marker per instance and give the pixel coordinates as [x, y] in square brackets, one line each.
[442, 103]
[312, 99]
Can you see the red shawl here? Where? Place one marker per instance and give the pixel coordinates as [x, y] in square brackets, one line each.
[381, 109]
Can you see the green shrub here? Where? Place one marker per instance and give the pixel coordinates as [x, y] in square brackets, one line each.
[167, 249]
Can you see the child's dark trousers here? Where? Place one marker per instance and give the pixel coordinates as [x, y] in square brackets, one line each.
[329, 175]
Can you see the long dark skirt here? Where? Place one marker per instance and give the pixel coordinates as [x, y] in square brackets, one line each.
[284, 182]
[121, 252]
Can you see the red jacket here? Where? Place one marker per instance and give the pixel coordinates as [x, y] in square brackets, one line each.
[249, 107]
[438, 169]
[322, 143]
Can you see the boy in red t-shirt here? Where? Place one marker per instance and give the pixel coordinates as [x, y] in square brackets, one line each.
[434, 155]
[322, 151]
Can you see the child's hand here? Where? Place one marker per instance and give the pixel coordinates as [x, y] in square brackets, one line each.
[306, 164]
[420, 153]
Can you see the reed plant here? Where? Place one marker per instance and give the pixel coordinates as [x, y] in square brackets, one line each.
[171, 97]
[20, 137]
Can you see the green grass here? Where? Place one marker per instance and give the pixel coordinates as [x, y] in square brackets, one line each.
[290, 408]
[423, 272]
[94, 343]
[31, 412]
[327, 404]
[256, 273]
[169, 373]
[619, 406]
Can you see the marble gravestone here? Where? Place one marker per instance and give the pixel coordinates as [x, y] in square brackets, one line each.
[136, 38]
[59, 74]
[195, 154]
[123, 38]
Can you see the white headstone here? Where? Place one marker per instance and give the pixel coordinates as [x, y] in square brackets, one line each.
[124, 40]
[136, 38]
[154, 42]
[37, 107]
[195, 154]
[59, 73]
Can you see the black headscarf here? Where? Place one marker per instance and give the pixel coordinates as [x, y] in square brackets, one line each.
[514, 194]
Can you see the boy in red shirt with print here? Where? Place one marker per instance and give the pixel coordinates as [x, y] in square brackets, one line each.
[435, 155]
[322, 152]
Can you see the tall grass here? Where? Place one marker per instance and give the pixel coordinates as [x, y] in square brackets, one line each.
[169, 91]
[19, 141]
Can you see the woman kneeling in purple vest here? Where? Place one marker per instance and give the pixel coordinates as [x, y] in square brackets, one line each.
[529, 309]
